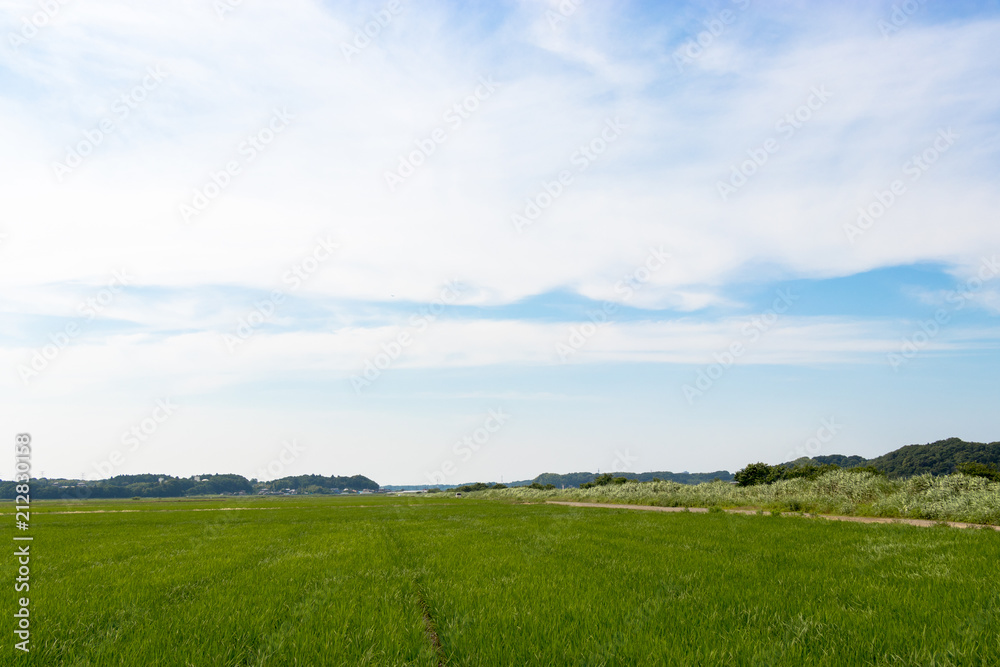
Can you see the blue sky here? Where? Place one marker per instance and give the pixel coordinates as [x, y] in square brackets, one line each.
[648, 236]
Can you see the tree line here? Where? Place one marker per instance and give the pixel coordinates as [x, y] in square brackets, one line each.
[168, 486]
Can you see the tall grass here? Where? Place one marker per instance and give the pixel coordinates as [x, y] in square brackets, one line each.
[943, 498]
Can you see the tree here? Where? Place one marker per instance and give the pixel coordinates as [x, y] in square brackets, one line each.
[986, 470]
[759, 473]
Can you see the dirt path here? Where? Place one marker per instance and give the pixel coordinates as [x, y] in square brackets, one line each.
[830, 517]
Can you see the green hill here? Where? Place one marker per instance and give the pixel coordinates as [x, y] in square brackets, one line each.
[938, 458]
[321, 484]
[840, 460]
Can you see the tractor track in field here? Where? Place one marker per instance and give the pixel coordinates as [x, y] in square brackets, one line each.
[403, 554]
[188, 509]
[430, 629]
[828, 517]
[181, 509]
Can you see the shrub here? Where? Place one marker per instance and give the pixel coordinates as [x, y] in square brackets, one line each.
[467, 488]
[758, 473]
[872, 470]
[605, 480]
[986, 470]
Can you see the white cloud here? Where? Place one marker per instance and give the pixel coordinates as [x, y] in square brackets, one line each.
[654, 185]
[197, 363]
[352, 120]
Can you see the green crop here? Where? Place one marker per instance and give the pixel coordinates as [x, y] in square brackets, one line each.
[423, 581]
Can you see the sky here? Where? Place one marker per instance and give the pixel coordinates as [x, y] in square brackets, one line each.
[442, 242]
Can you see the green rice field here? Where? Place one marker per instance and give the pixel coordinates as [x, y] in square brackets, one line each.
[466, 581]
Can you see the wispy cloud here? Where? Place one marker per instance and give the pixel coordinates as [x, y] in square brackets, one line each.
[749, 94]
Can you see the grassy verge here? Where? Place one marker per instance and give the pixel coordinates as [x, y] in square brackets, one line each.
[944, 498]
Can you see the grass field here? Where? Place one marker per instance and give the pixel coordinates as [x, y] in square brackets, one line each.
[372, 581]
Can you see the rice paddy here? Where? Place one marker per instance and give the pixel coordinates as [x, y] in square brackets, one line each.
[425, 581]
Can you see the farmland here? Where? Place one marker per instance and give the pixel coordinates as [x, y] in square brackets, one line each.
[425, 581]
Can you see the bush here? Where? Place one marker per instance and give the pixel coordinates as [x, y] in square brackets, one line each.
[758, 473]
[761, 473]
[808, 471]
[467, 488]
[605, 480]
[872, 470]
[986, 470]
